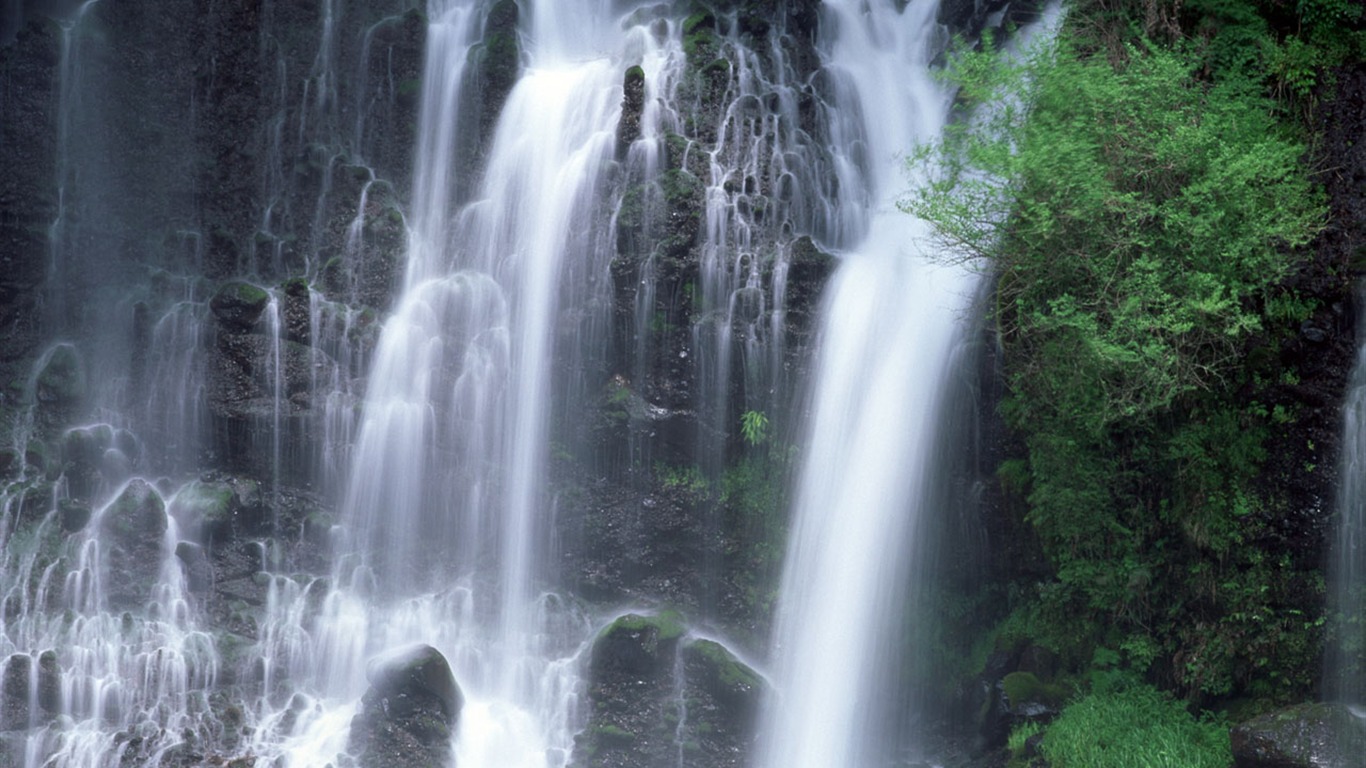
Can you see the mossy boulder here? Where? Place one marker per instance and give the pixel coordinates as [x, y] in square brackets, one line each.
[75, 515]
[1314, 735]
[238, 305]
[205, 509]
[407, 715]
[497, 63]
[1029, 697]
[712, 666]
[96, 453]
[636, 645]
[724, 700]
[661, 218]
[634, 708]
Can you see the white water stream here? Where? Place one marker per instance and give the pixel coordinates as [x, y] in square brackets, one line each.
[893, 315]
[445, 531]
[1344, 679]
[890, 320]
[447, 522]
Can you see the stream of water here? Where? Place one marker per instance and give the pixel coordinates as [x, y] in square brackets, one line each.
[444, 533]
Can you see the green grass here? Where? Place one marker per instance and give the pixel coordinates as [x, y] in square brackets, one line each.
[1135, 728]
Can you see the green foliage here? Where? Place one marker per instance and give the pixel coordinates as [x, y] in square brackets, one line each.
[1134, 728]
[686, 479]
[1140, 221]
[1132, 215]
[1015, 742]
[754, 427]
[1022, 688]
[753, 500]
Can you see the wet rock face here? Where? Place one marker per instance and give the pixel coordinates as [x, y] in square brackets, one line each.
[655, 695]
[130, 532]
[1303, 736]
[29, 691]
[27, 194]
[970, 17]
[409, 713]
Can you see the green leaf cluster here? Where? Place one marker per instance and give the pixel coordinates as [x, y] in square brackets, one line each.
[1140, 222]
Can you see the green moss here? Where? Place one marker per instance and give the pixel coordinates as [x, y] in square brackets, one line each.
[667, 624]
[609, 735]
[730, 671]
[1025, 687]
[206, 502]
[244, 293]
[295, 286]
[700, 21]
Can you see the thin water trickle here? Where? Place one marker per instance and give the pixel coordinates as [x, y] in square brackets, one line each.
[1345, 658]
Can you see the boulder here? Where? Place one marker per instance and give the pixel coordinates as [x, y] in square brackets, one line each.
[636, 646]
[1314, 735]
[409, 713]
[724, 700]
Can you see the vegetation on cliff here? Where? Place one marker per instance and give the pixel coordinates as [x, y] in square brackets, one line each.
[1144, 191]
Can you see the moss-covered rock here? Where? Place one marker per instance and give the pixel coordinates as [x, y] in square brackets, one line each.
[637, 645]
[724, 700]
[497, 63]
[633, 708]
[238, 305]
[1314, 735]
[1029, 697]
[29, 690]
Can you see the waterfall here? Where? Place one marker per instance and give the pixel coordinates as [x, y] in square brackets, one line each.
[1344, 677]
[890, 320]
[446, 524]
[236, 358]
[868, 489]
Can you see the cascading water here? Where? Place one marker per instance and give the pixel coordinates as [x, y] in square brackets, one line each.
[892, 318]
[527, 283]
[446, 518]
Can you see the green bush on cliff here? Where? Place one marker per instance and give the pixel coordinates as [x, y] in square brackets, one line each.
[1134, 728]
[1140, 222]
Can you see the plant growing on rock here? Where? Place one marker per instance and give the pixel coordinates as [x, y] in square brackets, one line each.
[1140, 221]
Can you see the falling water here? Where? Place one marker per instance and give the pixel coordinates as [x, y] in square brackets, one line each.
[445, 529]
[447, 519]
[1345, 672]
[892, 317]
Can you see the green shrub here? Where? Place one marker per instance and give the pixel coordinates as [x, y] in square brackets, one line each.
[1134, 728]
[1140, 221]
